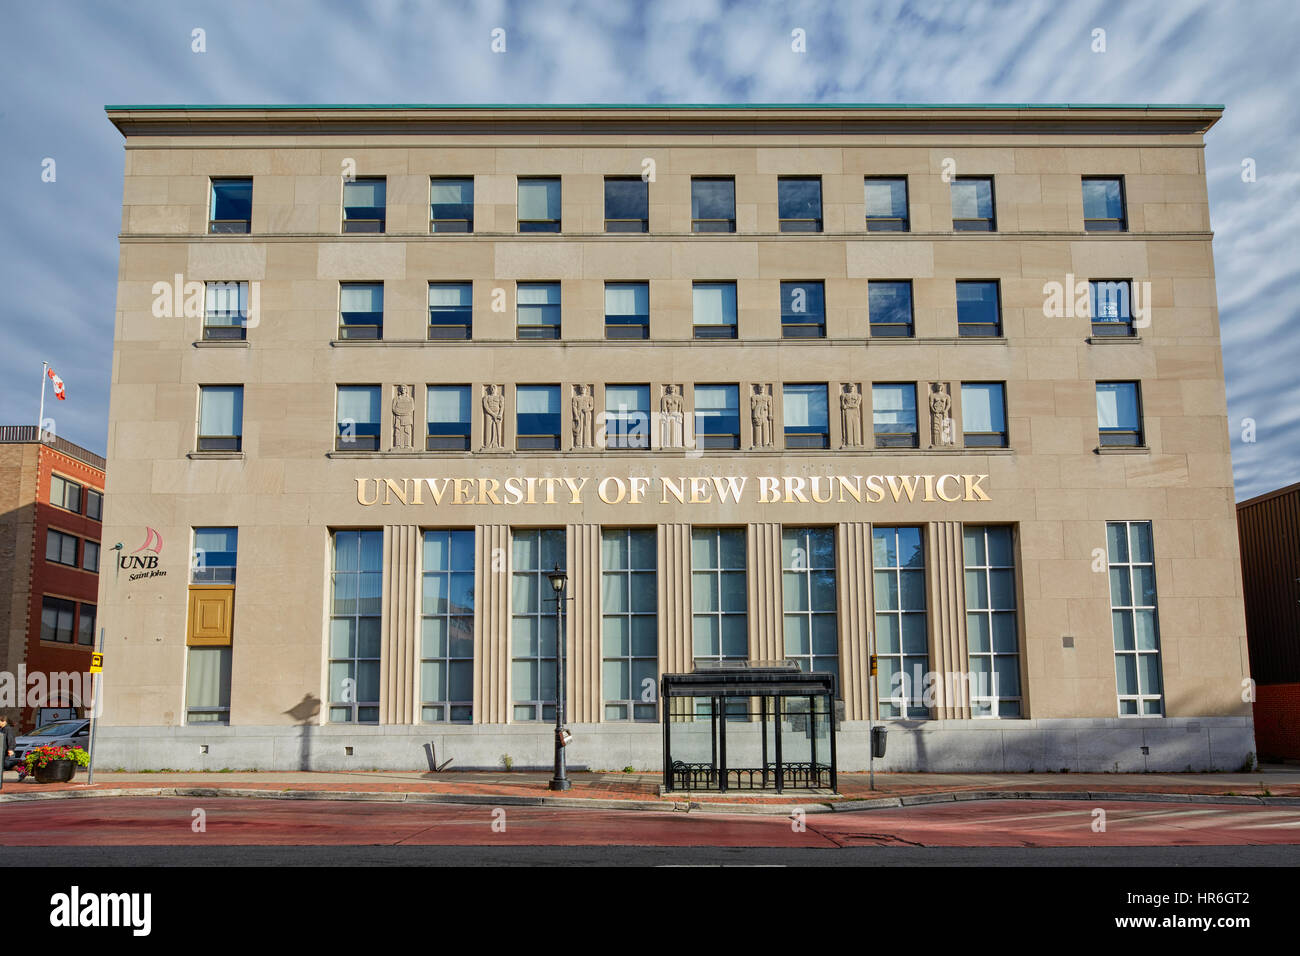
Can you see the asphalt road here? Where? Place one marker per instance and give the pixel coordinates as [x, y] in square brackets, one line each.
[184, 831]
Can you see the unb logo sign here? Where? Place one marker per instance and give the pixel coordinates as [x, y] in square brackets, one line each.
[144, 565]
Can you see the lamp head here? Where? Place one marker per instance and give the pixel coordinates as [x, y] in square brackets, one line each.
[558, 579]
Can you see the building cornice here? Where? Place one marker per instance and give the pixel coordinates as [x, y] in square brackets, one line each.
[820, 118]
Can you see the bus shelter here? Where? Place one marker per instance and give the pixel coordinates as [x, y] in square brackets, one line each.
[749, 726]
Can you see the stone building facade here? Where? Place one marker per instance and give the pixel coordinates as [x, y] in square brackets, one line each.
[940, 386]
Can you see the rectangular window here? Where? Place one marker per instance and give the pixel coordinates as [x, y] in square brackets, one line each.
[94, 504]
[1103, 204]
[889, 308]
[1119, 414]
[225, 314]
[717, 416]
[535, 552]
[538, 310]
[358, 418]
[972, 204]
[61, 548]
[713, 205]
[807, 420]
[86, 626]
[1110, 302]
[356, 612]
[983, 415]
[221, 417]
[448, 418]
[627, 204]
[893, 415]
[66, 494]
[364, 205]
[90, 555]
[627, 416]
[1133, 618]
[886, 199]
[629, 600]
[539, 205]
[447, 627]
[627, 310]
[451, 310]
[991, 621]
[714, 306]
[803, 310]
[215, 554]
[58, 618]
[979, 309]
[719, 600]
[902, 632]
[808, 598]
[537, 417]
[361, 310]
[207, 685]
[799, 203]
[232, 206]
[451, 205]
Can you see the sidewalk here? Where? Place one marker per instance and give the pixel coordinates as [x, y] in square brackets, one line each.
[1280, 785]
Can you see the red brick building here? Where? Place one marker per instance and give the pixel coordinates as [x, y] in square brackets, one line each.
[51, 505]
[1269, 530]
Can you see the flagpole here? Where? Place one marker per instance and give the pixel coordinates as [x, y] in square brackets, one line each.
[40, 421]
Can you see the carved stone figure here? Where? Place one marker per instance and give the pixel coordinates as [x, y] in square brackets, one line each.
[584, 414]
[760, 414]
[850, 416]
[671, 417]
[940, 412]
[493, 414]
[403, 418]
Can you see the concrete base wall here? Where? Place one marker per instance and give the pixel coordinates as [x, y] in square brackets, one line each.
[956, 746]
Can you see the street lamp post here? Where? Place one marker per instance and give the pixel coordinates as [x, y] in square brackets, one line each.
[560, 781]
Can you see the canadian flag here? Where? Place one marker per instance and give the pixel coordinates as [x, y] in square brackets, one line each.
[58, 384]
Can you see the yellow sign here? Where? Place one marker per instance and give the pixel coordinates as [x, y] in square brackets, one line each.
[97, 663]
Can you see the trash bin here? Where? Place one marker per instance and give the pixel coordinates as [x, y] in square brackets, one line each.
[878, 741]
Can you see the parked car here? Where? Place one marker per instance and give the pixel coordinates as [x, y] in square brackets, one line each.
[61, 733]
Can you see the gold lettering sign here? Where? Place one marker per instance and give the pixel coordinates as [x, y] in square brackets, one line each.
[681, 489]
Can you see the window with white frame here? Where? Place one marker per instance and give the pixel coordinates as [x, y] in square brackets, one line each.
[447, 626]
[1133, 618]
[719, 603]
[991, 630]
[902, 633]
[629, 599]
[535, 553]
[808, 610]
[356, 589]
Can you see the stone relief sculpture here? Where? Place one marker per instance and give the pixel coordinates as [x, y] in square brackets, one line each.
[760, 414]
[940, 414]
[672, 416]
[403, 418]
[850, 416]
[493, 415]
[584, 414]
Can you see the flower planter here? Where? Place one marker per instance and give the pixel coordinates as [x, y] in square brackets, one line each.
[56, 771]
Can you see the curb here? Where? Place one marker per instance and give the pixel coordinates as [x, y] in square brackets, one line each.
[662, 806]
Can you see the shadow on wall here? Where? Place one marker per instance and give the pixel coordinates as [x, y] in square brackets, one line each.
[305, 713]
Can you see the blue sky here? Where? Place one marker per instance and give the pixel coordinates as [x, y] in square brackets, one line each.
[62, 61]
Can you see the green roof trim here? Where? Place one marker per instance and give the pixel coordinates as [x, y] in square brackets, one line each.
[673, 106]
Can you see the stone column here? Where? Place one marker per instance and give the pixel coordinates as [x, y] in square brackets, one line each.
[676, 641]
[856, 615]
[492, 624]
[401, 624]
[947, 613]
[582, 622]
[763, 580]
